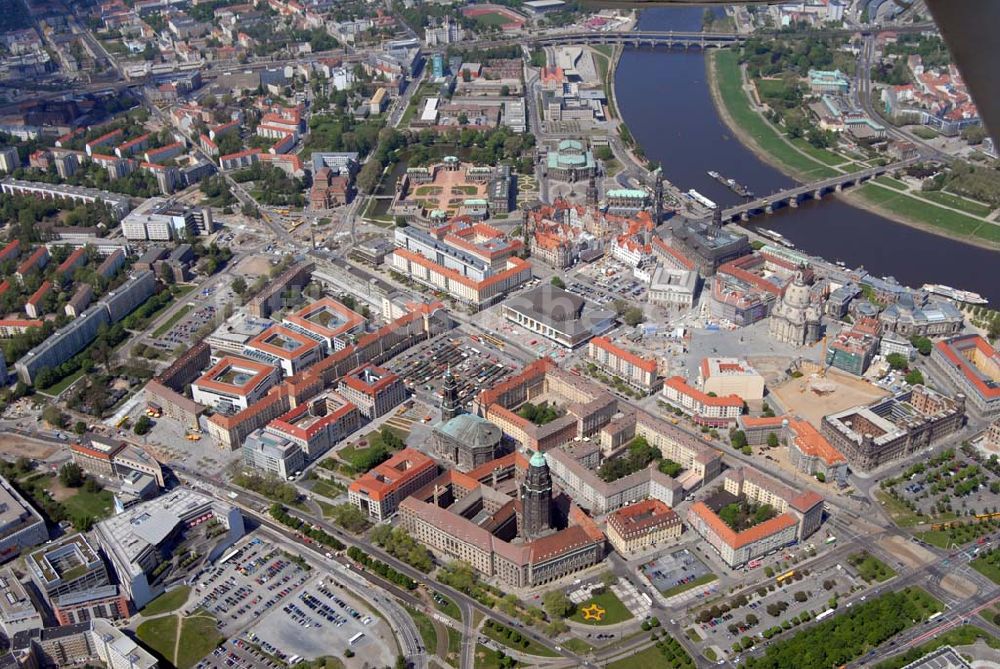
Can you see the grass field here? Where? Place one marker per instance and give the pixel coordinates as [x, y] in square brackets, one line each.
[426, 629]
[492, 19]
[870, 568]
[683, 587]
[614, 610]
[160, 635]
[956, 202]
[950, 221]
[450, 609]
[170, 322]
[988, 564]
[487, 659]
[577, 645]
[63, 384]
[327, 489]
[890, 182]
[654, 657]
[197, 637]
[727, 74]
[498, 633]
[823, 155]
[899, 513]
[82, 503]
[454, 647]
[167, 602]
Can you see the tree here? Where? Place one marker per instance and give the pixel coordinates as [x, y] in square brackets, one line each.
[974, 134]
[556, 604]
[922, 344]
[772, 439]
[71, 475]
[143, 425]
[558, 282]
[914, 377]
[897, 360]
[821, 477]
[239, 285]
[80, 427]
[505, 91]
[738, 438]
[53, 416]
[369, 176]
[800, 596]
[608, 579]
[633, 316]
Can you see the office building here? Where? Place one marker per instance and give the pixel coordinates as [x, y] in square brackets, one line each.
[284, 348]
[641, 526]
[474, 263]
[465, 517]
[636, 371]
[670, 287]
[17, 610]
[972, 366]
[374, 390]
[233, 384]
[730, 376]
[705, 409]
[852, 351]
[273, 454]
[95, 641]
[69, 564]
[317, 425]
[799, 515]
[21, 526]
[137, 541]
[557, 314]
[159, 219]
[378, 492]
[894, 427]
[328, 321]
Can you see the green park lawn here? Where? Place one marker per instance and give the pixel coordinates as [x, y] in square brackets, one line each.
[945, 219]
[167, 602]
[425, 627]
[727, 73]
[198, 636]
[870, 568]
[890, 182]
[956, 202]
[615, 611]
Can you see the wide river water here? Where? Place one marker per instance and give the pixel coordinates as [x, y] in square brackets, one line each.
[664, 98]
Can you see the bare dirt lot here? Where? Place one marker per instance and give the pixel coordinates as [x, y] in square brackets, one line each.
[14, 446]
[253, 266]
[958, 586]
[909, 553]
[797, 395]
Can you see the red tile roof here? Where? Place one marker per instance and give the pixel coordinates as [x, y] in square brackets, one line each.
[393, 474]
[739, 539]
[645, 364]
[680, 385]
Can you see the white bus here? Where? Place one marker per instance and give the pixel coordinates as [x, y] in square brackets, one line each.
[356, 638]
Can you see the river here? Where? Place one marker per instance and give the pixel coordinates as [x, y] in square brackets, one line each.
[664, 99]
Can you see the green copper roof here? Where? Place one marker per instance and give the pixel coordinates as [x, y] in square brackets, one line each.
[537, 460]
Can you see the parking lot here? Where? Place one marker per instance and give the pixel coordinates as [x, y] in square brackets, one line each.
[185, 328]
[256, 579]
[673, 569]
[275, 609]
[474, 368]
[322, 619]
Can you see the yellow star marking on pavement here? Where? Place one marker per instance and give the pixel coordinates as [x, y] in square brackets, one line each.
[593, 612]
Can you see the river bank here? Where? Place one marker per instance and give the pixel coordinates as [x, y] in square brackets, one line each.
[768, 145]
